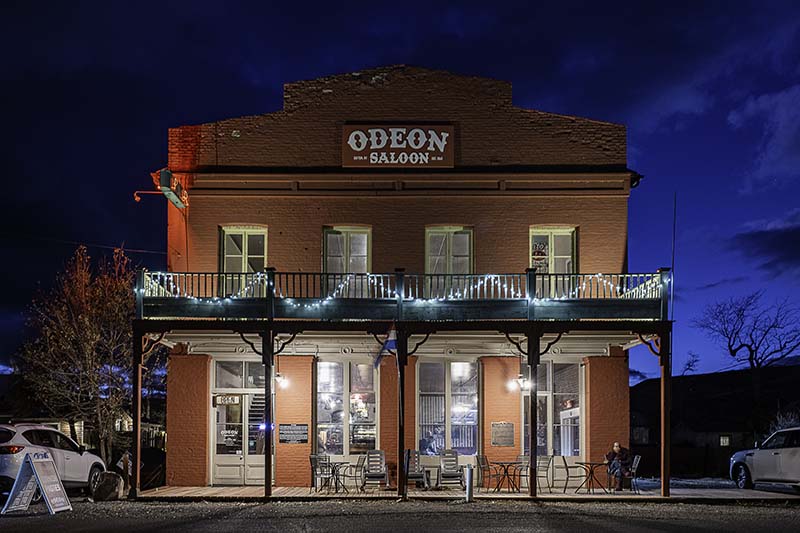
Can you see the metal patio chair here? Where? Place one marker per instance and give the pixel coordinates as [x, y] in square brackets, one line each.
[414, 469]
[354, 472]
[375, 470]
[543, 465]
[487, 472]
[568, 468]
[521, 471]
[321, 472]
[449, 469]
[632, 475]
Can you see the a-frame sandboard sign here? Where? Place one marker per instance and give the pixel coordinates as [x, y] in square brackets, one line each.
[37, 470]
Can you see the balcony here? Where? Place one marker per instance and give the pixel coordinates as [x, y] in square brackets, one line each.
[400, 296]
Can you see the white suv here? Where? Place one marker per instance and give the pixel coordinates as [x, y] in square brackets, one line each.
[75, 466]
[777, 460]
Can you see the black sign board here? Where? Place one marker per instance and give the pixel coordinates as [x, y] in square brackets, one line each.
[293, 433]
[37, 470]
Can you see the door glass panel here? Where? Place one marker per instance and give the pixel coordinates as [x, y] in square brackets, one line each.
[255, 245]
[233, 244]
[229, 429]
[461, 243]
[233, 264]
[229, 374]
[256, 428]
[562, 245]
[330, 408]
[540, 251]
[362, 378]
[358, 244]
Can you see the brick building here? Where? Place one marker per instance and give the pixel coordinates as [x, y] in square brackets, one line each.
[403, 196]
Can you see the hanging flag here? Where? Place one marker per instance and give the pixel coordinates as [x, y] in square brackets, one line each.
[389, 344]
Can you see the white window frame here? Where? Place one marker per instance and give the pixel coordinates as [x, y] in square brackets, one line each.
[245, 231]
[551, 232]
[449, 231]
[547, 365]
[347, 231]
[448, 437]
[346, 392]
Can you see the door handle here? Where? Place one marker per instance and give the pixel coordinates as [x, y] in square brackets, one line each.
[776, 453]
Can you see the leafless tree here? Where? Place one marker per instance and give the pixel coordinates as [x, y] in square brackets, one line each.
[690, 366]
[755, 335]
[78, 365]
[751, 333]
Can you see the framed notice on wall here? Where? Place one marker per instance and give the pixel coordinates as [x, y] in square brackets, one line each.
[293, 433]
[502, 434]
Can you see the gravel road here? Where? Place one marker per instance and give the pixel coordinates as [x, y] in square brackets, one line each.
[357, 516]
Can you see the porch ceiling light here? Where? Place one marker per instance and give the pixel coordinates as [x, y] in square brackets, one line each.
[281, 381]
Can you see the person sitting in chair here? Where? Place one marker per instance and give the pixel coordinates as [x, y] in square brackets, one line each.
[619, 463]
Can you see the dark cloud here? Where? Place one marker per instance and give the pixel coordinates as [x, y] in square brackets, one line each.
[774, 245]
[722, 282]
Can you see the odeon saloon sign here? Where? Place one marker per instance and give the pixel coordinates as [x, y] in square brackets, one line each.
[382, 146]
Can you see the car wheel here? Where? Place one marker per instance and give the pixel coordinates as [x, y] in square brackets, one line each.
[743, 479]
[94, 477]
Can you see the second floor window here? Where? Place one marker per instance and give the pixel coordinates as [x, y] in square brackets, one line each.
[244, 249]
[448, 260]
[346, 250]
[552, 252]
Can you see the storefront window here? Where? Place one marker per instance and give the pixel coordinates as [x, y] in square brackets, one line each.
[558, 411]
[362, 408]
[448, 387]
[330, 408]
[346, 429]
[464, 407]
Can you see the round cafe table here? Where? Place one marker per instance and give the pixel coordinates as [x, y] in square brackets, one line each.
[336, 469]
[590, 480]
[509, 478]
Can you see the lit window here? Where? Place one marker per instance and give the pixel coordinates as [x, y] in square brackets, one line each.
[448, 387]
[724, 441]
[558, 410]
[345, 429]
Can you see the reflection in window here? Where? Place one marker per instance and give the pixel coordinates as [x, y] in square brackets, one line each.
[255, 375]
[431, 408]
[464, 407]
[229, 374]
[362, 408]
[558, 412]
[229, 429]
[330, 406]
[461, 429]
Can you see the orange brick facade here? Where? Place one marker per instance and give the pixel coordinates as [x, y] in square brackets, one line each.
[188, 404]
[514, 168]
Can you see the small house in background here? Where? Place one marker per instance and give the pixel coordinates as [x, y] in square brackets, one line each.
[711, 416]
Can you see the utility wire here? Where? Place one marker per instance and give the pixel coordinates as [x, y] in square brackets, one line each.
[88, 245]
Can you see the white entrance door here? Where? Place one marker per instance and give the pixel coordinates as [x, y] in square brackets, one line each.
[239, 439]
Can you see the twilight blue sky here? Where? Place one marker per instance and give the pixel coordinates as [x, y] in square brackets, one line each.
[710, 92]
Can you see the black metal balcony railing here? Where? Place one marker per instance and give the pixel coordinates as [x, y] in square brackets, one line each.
[328, 296]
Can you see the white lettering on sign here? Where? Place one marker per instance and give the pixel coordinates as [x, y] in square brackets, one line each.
[398, 146]
[359, 141]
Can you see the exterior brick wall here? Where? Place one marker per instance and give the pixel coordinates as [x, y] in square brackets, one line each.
[607, 404]
[388, 408]
[188, 404]
[501, 228]
[293, 406]
[489, 129]
[500, 404]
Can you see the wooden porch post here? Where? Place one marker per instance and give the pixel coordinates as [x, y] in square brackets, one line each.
[267, 347]
[402, 361]
[534, 339]
[136, 412]
[665, 350]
